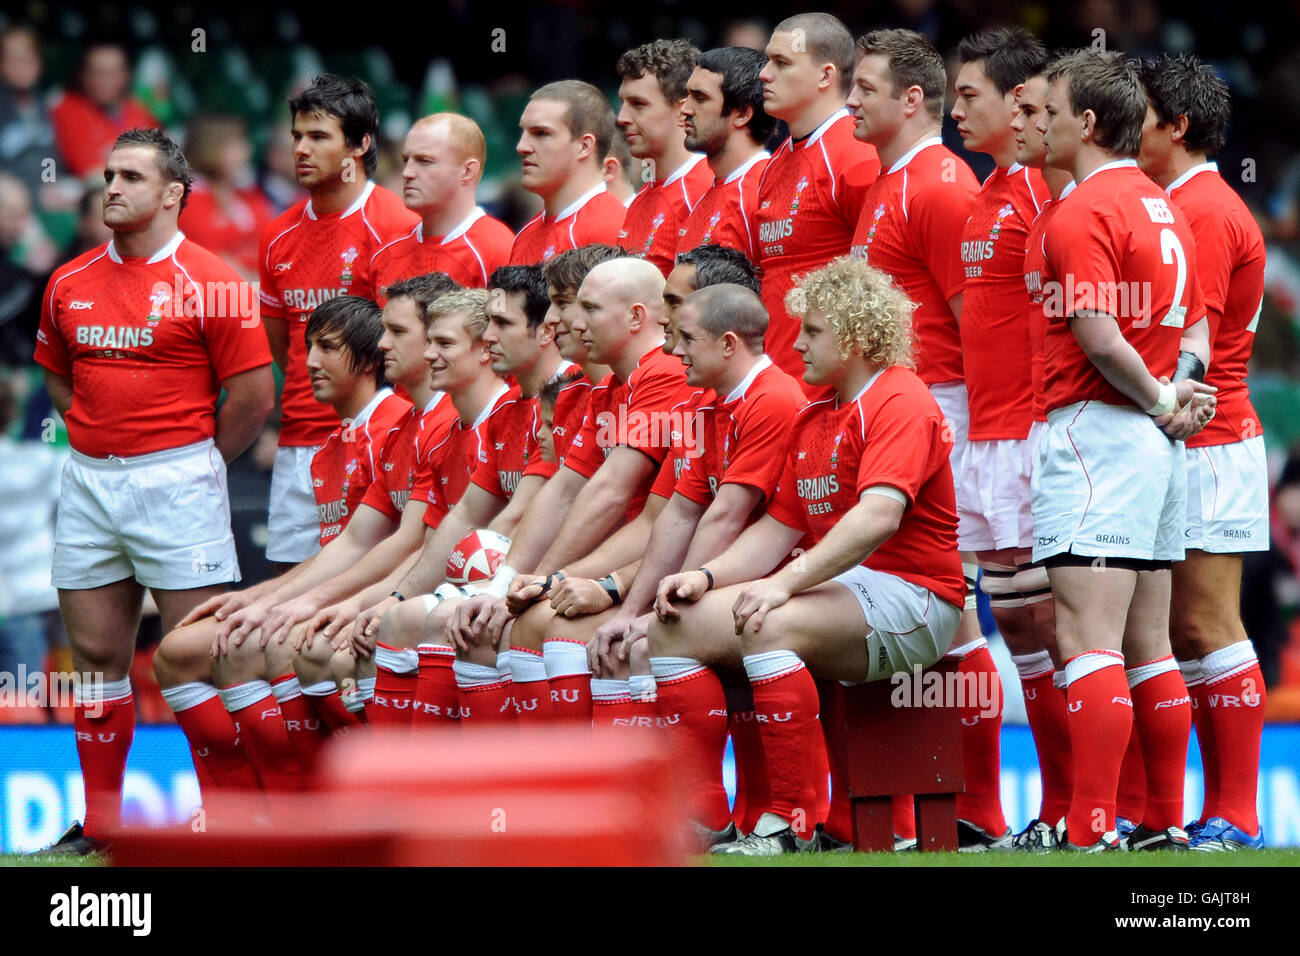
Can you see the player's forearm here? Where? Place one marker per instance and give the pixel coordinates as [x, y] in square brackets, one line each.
[60, 389]
[718, 529]
[336, 557]
[1118, 362]
[277, 336]
[591, 519]
[625, 544]
[754, 554]
[507, 522]
[1196, 339]
[372, 566]
[250, 399]
[382, 589]
[866, 526]
[669, 541]
[542, 521]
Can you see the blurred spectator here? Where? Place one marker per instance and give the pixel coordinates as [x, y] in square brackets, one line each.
[277, 178]
[620, 169]
[91, 232]
[21, 235]
[87, 120]
[751, 32]
[26, 133]
[29, 488]
[26, 260]
[227, 211]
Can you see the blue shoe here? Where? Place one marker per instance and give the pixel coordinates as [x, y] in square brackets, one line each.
[1193, 828]
[1218, 836]
[1124, 827]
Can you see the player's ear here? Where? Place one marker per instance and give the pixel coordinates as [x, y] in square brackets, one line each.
[1089, 127]
[1178, 129]
[586, 145]
[741, 116]
[173, 194]
[471, 171]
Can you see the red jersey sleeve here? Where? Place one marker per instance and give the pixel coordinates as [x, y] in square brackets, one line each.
[784, 505]
[940, 215]
[649, 399]
[51, 349]
[898, 448]
[268, 295]
[1078, 246]
[759, 452]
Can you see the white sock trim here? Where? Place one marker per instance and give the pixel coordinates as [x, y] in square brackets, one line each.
[1091, 662]
[471, 676]
[323, 689]
[1029, 666]
[526, 667]
[670, 670]
[1227, 662]
[290, 689]
[1058, 680]
[565, 659]
[643, 688]
[1144, 672]
[605, 691]
[244, 695]
[100, 692]
[397, 660]
[184, 696]
[503, 667]
[771, 665]
[355, 700]
[966, 650]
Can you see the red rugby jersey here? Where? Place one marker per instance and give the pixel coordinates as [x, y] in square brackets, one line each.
[1230, 268]
[596, 216]
[910, 226]
[401, 458]
[307, 259]
[1117, 245]
[570, 411]
[691, 439]
[659, 210]
[349, 462]
[452, 462]
[996, 311]
[469, 253]
[892, 434]
[724, 215]
[809, 198]
[147, 343]
[746, 435]
[509, 440]
[1035, 263]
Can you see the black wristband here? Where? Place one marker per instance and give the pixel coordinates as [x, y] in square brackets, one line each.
[607, 582]
[708, 574]
[1189, 366]
[555, 577]
[397, 594]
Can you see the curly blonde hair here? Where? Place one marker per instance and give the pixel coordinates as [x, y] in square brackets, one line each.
[870, 315]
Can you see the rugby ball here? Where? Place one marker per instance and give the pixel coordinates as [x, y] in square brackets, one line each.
[476, 557]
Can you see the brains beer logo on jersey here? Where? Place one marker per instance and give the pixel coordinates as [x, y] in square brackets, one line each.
[348, 257]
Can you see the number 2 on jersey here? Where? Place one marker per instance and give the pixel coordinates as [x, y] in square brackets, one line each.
[1171, 252]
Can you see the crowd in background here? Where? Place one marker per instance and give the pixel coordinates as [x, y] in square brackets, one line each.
[72, 79]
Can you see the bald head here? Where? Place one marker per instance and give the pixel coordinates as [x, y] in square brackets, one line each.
[629, 279]
[619, 306]
[462, 132]
[727, 307]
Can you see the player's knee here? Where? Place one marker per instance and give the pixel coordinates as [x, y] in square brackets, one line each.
[638, 658]
[343, 666]
[279, 656]
[529, 629]
[180, 660]
[1193, 635]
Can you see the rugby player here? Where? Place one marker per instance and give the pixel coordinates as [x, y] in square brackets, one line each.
[1227, 476]
[652, 92]
[442, 164]
[138, 338]
[566, 131]
[726, 121]
[317, 249]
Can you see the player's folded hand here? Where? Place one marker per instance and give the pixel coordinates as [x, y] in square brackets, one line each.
[219, 605]
[576, 597]
[469, 621]
[286, 614]
[754, 602]
[1196, 406]
[601, 646]
[235, 629]
[636, 631]
[523, 591]
[368, 621]
[686, 586]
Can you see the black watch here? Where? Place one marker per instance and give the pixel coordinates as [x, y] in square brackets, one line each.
[397, 594]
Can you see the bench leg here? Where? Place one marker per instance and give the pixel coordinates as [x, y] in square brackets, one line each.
[873, 824]
[936, 821]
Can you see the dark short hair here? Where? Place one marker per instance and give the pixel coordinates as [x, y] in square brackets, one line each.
[1185, 86]
[586, 111]
[715, 264]
[1107, 83]
[528, 280]
[912, 61]
[423, 290]
[352, 103]
[1010, 55]
[359, 324]
[741, 87]
[171, 159]
[566, 270]
[827, 40]
[727, 307]
[551, 390]
[671, 62]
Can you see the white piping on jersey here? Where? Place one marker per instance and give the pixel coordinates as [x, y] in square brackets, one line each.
[577, 204]
[197, 287]
[826, 124]
[858, 397]
[1069, 188]
[491, 405]
[358, 203]
[562, 368]
[693, 160]
[363, 416]
[417, 232]
[1017, 169]
[739, 391]
[746, 166]
[1212, 167]
[474, 216]
[911, 153]
[164, 251]
[55, 287]
[1113, 164]
[826, 158]
[434, 399]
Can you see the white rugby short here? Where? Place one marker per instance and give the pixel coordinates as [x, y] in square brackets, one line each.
[161, 518]
[907, 625]
[1227, 497]
[293, 523]
[994, 497]
[955, 406]
[1108, 483]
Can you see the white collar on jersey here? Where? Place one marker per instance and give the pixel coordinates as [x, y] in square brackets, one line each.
[1212, 167]
[871, 381]
[1069, 188]
[562, 369]
[491, 404]
[360, 201]
[169, 247]
[739, 391]
[578, 203]
[474, 216]
[434, 399]
[693, 160]
[820, 131]
[747, 165]
[911, 153]
[1113, 164]
[363, 416]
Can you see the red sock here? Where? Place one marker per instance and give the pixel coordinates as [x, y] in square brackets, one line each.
[787, 707]
[1234, 688]
[105, 728]
[981, 729]
[327, 703]
[839, 814]
[570, 680]
[611, 703]
[1101, 722]
[437, 700]
[905, 815]
[214, 741]
[1205, 742]
[693, 707]
[307, 732]
[1045, 708]
[254, 708]
[1131, 792]
[532, 691]
[751, 768]
[1162, 713]
[396, 674]
[484, 695]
